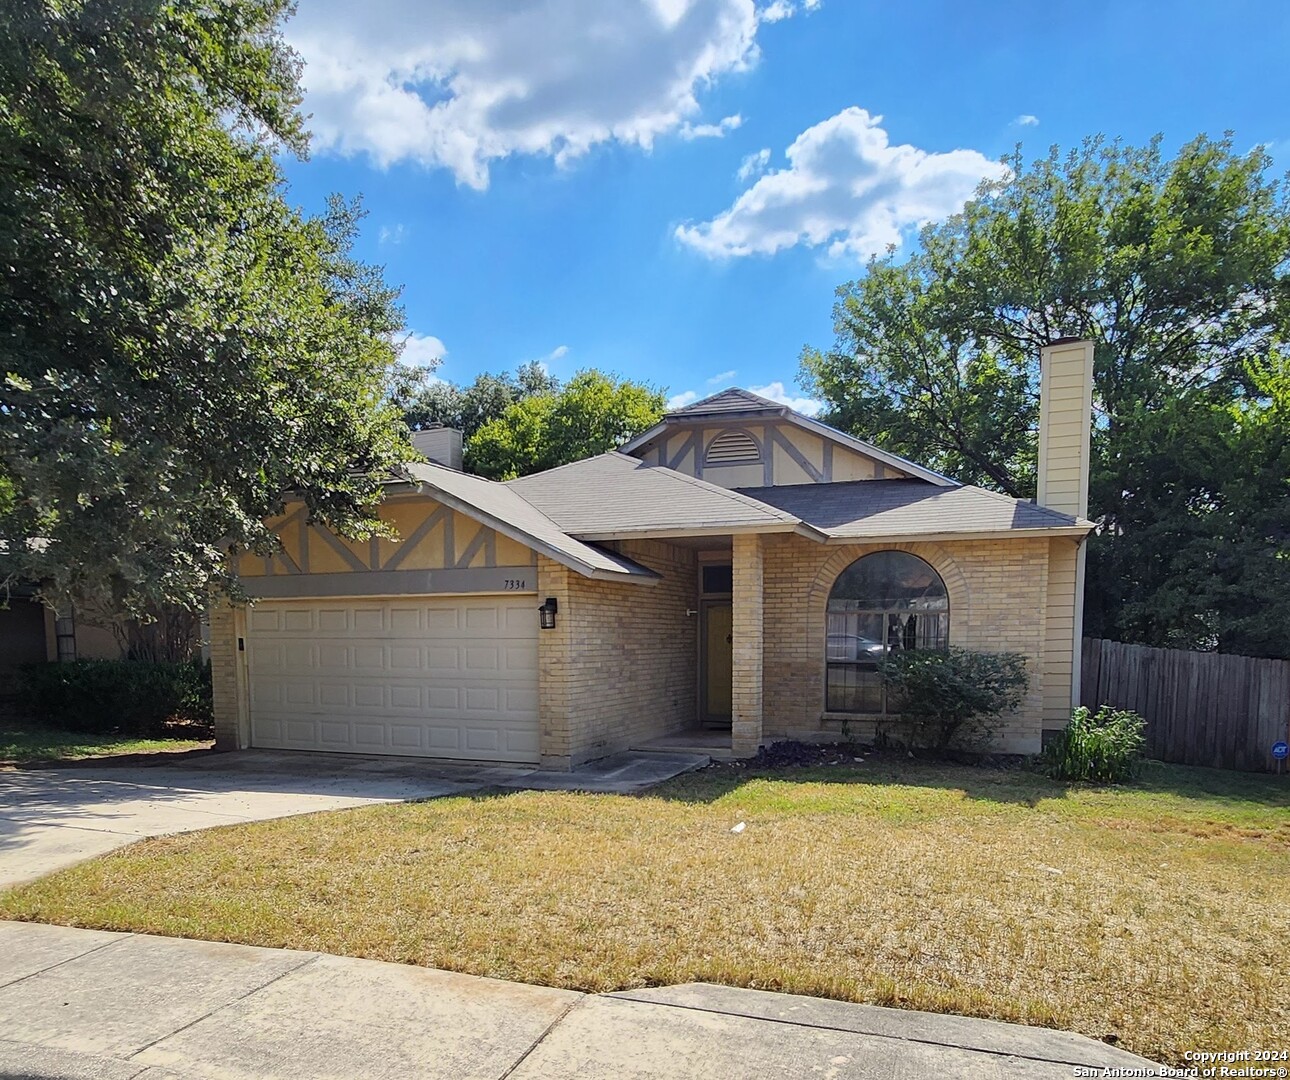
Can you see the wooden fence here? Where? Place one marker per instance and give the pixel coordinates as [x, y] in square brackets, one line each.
[1200, 708]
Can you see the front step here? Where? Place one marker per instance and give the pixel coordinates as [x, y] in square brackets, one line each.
[689, 742]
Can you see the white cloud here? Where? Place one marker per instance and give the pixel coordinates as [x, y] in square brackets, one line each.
[754, 164]
[689, 132]
[778, 10]
[1026, 120]
[395, 235]
[459, 84]
[681, 400]
[846, 186]
[723, 377]
[557, 352]
[423, 350]
[777, 392]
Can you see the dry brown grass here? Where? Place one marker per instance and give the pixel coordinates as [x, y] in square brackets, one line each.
[1156, 915]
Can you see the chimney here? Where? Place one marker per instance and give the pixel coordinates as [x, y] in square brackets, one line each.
[1065, 420]
[442, 445]
[1065, 430]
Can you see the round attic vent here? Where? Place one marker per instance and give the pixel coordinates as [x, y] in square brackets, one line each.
[733, 448]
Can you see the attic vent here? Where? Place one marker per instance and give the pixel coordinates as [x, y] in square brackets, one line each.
[733, 448]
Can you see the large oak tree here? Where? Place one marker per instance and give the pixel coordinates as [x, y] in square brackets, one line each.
[179, 346]
[1177, 269]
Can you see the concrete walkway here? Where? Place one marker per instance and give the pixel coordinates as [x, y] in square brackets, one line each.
[80, 1003]
[52, 818]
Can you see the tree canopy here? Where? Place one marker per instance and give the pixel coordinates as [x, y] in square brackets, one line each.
[425, 402]
[179, 346]
[591, 414]
[1177, 270]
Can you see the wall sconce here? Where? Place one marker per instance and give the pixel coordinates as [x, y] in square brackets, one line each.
[546, 613]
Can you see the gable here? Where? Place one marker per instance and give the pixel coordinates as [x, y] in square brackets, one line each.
[438, 549]
[760, 453]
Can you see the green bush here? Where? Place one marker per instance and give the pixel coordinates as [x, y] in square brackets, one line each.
[1106, 747]
[127, 697]
[953, 695]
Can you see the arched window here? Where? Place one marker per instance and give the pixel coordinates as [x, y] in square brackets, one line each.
[880, 603]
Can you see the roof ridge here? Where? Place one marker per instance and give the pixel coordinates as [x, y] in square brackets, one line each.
[497, 483]
[566, 465]
[740, 391]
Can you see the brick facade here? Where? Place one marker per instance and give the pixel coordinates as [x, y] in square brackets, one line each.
[998, 594]
[748, 644]
[621, 665]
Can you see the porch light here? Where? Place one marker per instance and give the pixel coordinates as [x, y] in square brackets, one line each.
[546, 613]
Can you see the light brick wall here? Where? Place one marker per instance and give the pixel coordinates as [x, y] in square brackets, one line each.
[998, 595]
[224, 660]
[747, 634]
[620, 666]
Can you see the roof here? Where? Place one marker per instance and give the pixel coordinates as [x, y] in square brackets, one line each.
[615, 495]
[736, 399]
[860, 509]
[739, 404]
[505, 510]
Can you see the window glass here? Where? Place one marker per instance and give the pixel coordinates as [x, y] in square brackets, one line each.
[881, 603]
[718, 579]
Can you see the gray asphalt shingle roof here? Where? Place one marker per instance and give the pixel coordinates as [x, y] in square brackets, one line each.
[504, 509]
[618, 494]
[876, 508]
[736, 399]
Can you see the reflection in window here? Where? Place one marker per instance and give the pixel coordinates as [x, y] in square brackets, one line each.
[881, 603]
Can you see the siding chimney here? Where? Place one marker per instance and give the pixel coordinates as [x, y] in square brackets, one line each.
[1065, 419]
[1065, 430]
[442, 445]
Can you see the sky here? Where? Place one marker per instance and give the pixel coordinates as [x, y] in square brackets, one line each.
[671, 190]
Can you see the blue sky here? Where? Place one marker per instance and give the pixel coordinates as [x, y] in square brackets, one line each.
[607, 184]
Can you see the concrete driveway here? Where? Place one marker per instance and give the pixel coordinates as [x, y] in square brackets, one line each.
[52, 818]
[82, 1003]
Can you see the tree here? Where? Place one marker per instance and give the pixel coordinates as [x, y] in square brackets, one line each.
[179, 348]
[469, 408]
[591, 414]
[1177, 269]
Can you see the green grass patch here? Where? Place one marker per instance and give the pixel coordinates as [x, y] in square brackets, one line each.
[1149, 914]
[22, 744]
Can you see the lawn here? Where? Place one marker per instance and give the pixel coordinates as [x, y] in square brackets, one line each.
[25, 743]
[1155, 916]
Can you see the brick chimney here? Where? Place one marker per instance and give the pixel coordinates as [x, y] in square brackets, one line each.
[1065, 431]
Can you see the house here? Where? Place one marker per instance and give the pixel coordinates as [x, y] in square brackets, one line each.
[737, 569]
[30, 632]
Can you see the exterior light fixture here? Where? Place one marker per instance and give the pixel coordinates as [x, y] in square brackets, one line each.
[546, 613]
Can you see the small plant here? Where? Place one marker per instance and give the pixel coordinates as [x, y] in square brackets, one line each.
[1105, 747]
[953, 695]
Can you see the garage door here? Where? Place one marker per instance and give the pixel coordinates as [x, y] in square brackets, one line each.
[432, 677]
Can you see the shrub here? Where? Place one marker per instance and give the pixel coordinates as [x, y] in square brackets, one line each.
[1106, 747]
[949, 695]
[127, 697]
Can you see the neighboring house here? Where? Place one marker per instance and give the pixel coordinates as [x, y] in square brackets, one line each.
[739, 567]
[30, 633]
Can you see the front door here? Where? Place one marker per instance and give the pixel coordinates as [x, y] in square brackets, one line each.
[718, 663]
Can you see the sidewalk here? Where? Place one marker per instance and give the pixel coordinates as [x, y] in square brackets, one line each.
[87, 1004]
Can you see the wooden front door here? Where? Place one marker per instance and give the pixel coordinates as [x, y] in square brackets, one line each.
[718, 663]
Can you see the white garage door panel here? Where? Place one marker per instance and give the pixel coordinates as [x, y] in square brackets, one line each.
[433, 677]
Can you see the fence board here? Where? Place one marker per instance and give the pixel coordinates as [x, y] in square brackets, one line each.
[1201, 708]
